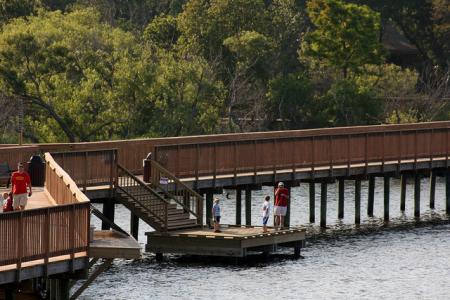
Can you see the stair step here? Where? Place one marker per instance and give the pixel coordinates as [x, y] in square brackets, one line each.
[181, 227]
[182, 222]
[184, 216]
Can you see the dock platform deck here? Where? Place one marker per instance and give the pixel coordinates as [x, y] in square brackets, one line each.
[113, 244]
[233, 241]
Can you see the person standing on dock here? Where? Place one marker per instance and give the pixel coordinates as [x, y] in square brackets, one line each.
[216, 215]
[281, 202]
[20, 180]
[265, 213]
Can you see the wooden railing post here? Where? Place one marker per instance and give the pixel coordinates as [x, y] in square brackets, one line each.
[72, 236]
[20, 239]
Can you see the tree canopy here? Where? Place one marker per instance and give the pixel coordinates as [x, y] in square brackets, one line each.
[88, 70]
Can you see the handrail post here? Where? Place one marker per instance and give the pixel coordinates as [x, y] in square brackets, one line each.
[85, 171]
[47, 240]
[20, 239]
[72, 237]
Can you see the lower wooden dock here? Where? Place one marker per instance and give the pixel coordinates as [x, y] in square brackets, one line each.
[233, 241]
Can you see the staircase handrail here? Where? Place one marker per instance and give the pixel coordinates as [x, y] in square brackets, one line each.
[154, 165]
[144, 185]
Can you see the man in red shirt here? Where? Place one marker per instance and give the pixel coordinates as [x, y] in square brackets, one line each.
[281, 202]
[19, 182]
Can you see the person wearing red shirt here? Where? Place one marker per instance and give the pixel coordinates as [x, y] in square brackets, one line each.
[281, 202]
[20, 180]
[8, 205]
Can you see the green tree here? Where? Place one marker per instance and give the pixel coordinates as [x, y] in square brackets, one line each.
[65, 68]
[425, 23]
[348, 104]
[185, 98]
[162, 32]
[10, 9]
[345, 36]
[291, 101]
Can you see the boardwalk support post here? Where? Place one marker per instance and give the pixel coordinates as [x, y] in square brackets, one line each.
[248, 205]
[358, 201]
[387, 189]
[108, 212]
[416, 195]
[134, 225]
[312, 202]
[287, 218]
[447, 192]
[432, 188]
[341, 198]
[371, 196]
[403, 179]
[238, 206]
[323, 204]
[209, 205]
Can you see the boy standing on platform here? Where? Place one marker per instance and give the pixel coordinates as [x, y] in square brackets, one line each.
[265, 213]
[20, 180]
[216, 215]
[281, 202]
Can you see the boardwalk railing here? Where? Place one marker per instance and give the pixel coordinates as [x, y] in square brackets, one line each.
[131, 152]
[190, 200]
[39, 234]
[89, 168]
[331, 148]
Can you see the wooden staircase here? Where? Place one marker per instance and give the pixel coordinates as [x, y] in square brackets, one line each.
[157, 208]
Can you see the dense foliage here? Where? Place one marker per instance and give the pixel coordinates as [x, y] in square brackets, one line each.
[85, 70]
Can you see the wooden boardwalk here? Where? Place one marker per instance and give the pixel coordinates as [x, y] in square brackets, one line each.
[38, 199]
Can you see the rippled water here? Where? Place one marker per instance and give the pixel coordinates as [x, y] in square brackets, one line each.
[403, 261]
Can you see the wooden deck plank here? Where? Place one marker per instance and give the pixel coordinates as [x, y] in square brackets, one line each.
[38, 199]
[112, 244]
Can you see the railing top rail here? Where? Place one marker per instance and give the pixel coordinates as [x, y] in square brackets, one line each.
[319, 133]
[143, 184]
[84, 151]
[80, 196]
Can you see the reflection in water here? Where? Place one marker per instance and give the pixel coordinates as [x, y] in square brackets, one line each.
[404, 260]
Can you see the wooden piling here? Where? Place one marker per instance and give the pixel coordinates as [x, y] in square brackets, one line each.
[371, 196]
[387, 189]
[108, 211]
[432, 188]
[248, 206]
[134, 225]
[323, 204]
[403, 179]
[238, 206]
[416, 195]
[341, 198]
[357, 201]
[312, 202]
[64, 288]
[447, 192]
[287, 218]
[209, 205]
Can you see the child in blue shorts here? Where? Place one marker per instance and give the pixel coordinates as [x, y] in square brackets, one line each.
[265, 213]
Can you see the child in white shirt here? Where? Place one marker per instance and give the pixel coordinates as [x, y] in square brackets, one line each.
[265, 213]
